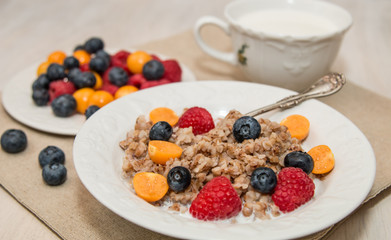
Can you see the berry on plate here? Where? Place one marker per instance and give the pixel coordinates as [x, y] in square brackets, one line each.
[150, 186]
[93, 45]
[71, 62]
[13, 141]
[100, 98]
[58, 88]
[54, 174]
[81, 96]
[217, 200]
[137, 80]
[263, 179]
[246, 128]
[163, 114]
[299, 159]
[41, 96]
[154, 83]
[179, 178]
[162, 151]
[84, 79]
[82, 55]
[118, 76]
[91, 110]
[99, 64]
[172, 70]
[64, 105]
[136, 61]
[198, 118]
[41, 82]
[294, 188]
[153, 70]
[51, 154]
[160, 131]
[56, 72]
[125, 90]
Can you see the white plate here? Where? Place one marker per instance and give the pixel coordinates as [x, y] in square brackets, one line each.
[17, 101]
[98, 160]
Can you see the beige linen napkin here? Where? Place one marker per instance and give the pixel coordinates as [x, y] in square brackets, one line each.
[73, 213]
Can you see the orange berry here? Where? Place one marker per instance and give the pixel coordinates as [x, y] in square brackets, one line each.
[42, 68]
[82, 96]
[83, 56]
[297, 125]
[100, 98]
[99, 81]
[136, 61]
[323, 157]
[124, 90]
[162, 151]
[57, 57]
[150, 186]
[163, 114]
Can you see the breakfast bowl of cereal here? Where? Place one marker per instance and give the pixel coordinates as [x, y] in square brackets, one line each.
[184, 160]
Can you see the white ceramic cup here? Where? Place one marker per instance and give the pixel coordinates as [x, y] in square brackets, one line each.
[277, 57]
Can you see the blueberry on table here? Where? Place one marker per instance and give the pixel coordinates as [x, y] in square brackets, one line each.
[56, 72]
[71, 62]
[246, 128]
[54, 174]
[178, 178]
[41, 96]
[299, 159]
[160, 131]
[64, 105]
[263, 179]
[153, 70]
[91, 110]
[94, 44]
[84, 79]
[41, 82]
[118, 76]
[99, 64]
[51, 154]
[13, 141]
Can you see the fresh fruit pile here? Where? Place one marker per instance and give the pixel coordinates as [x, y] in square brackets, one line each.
[288, 186]
[91, 78]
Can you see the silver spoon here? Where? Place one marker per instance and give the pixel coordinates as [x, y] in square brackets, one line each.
[325, 86]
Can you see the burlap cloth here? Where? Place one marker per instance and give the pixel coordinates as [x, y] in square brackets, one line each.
[73, 213]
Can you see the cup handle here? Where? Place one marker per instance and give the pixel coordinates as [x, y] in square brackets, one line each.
[229, 57]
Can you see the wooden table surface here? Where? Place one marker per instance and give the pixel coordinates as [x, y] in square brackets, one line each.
[30, 30]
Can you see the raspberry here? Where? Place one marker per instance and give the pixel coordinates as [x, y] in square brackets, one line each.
[154, 83]
[85, 67]
[137, 80]
[119, 60]
[110, 88]
[294, 188]
[172, 71]
[105, 75]
[217, 200]
[198, 118]
[58, 88]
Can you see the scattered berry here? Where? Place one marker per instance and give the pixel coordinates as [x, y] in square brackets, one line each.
[172, 70]
[136, 61]
[299, 159]
[160, 131]
[54, 174]
[153, 70]
[178, 178]
[198, 118]
[294, 188]
[71, 62]
[246, 128]
[58, 88]
[91, 110]
[13, 141]
[98, 64]
[217, 200]
[51, 154]
[124, 90]
[93, 45]
[162, 151]
[150, 186]
[41, 82]
[264, 180]
[84, 79]
[118, 76]
[56, 72]
[64, 105]
[41, 96]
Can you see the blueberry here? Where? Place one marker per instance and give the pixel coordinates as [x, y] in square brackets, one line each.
[41, 96]
[71, 62]
[79, 47]
[72, 74]
[41, 82]
[178, 178]
[84, 79]
[51, 154]
[263, 179]
[160, 131]
[153, 70]
[299, 159]
[54, 174]
[13, 141]
[99, 64]
[103, 54]
[55, 72]
[118, 76]
[91, 110]
[246, 128]
[93, 45]
[64, 105]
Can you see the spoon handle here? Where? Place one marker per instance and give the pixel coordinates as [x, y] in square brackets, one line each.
[327, 85]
